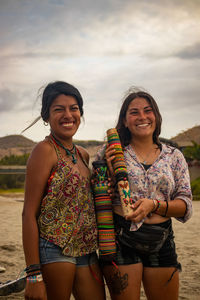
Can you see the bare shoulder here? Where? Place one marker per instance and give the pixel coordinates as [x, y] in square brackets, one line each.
[42, 148]
[84, 153]
[43, 153]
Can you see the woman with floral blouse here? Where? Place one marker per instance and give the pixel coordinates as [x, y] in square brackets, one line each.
[160, 190]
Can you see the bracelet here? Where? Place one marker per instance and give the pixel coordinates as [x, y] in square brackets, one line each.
[30, 271]
[154, 203]
[34, 267]
[33, 274]
[158, 205]
[166, 210]
[34, 278]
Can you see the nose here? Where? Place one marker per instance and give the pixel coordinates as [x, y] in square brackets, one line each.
[67, 113]
[142, 115]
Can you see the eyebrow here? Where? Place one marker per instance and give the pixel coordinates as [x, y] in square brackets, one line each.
[134, 108]
[60, 105]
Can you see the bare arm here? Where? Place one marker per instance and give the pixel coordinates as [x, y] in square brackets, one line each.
[175, 208]
[39, 167]
[144, 206]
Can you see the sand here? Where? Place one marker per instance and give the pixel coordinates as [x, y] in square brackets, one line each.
[12, 259]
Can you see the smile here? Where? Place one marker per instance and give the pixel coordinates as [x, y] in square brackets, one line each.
[143, 125]
[67, 124]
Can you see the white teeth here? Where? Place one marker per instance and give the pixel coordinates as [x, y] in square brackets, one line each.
[67, 124]
[142, 125]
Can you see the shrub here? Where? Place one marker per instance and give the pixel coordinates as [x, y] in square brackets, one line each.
[15, 160]
[9, 181]
[195, 185]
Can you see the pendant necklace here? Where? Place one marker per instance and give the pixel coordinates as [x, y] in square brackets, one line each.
[144, 160]
[70, 152]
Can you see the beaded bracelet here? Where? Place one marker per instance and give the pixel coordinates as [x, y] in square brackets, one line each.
[32, 271]
[33, 274]
[33, 267]
[34, 278]
[158, 206]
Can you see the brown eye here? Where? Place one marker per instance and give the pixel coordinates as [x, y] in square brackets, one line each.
[148, 110]
[133, 113]
[74, 108]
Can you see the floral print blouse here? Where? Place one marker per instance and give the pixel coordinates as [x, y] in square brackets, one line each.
[165, 180]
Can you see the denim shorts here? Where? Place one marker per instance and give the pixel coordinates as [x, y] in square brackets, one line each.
[50, 253]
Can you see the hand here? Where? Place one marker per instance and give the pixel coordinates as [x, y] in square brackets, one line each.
[35, 291]
[141, 209]
[111, 188]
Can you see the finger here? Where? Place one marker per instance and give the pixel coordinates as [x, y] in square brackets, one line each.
[109, 146]
[111, 170]
[109, 152]
[110, 192]
[137, 203]
[110, 158]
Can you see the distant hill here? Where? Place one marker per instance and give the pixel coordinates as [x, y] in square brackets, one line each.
[19, 145]
[185, 138]
[15, 145]
[13, 141]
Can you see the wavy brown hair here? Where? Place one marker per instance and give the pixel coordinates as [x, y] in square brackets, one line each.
[124, 133]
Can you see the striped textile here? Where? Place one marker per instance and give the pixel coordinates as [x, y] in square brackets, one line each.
[120, 171]
[103, 205]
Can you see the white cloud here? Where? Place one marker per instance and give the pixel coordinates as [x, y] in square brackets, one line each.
[102, 47]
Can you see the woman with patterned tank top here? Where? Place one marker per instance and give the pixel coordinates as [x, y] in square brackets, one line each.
[59, 223]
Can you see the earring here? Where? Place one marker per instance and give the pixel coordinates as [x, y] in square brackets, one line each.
[46, 123]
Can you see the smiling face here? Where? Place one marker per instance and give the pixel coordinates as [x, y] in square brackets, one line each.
[64, 117]
[140, 119]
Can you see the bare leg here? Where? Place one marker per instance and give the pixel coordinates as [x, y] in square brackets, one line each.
[88, 287]
[124, 281]
[59, 279]
[156, 283]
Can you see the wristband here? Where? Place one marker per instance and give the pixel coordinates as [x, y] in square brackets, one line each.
[33, 274]
[34, 267]
[158, 205]
[34, 278]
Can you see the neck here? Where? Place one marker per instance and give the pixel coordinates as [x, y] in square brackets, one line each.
[142, 144]
[70, 152]
[68, 143]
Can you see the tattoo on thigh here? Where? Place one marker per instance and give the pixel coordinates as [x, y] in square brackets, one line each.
[118, 282]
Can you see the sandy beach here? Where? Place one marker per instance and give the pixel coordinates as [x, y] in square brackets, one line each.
[12, 259]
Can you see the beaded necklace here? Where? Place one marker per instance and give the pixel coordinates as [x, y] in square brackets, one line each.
[70, 152]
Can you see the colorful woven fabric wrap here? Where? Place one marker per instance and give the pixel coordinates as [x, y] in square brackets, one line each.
[120, 170]
[103, 204]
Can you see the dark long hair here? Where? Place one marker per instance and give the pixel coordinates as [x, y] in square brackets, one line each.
[124, 133]
[53, 90]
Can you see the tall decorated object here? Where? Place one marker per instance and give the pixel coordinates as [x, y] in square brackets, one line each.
[103, 205]
[120, 171]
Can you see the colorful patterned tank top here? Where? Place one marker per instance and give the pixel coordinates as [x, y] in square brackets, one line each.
[67, 215]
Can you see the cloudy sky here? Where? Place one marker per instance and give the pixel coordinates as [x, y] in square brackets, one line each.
[103, 48]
